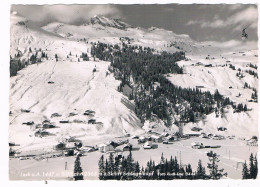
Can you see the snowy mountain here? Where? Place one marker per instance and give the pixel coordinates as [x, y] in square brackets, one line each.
[65, 84]
[109, 30]
[106, 22]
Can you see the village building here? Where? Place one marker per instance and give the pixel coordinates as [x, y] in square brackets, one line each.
[91, 121]
[69, 152]
[40, 133]
[142, 139]
[60, 146]
[28, 123]
[128, 147]
[103, 148]
[194, 134]
[55, 115]
[156, 139]
[222, 128]
[48, 126]
[197, 145]
[148, 145]
[252, 142]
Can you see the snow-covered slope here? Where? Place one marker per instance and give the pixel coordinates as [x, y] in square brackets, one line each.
[76, 88]
[220, 76]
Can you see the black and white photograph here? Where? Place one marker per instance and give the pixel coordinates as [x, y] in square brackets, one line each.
[133, 92]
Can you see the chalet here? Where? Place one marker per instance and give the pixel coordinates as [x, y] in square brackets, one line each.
[218, 137]
[170, 138]
[25, 110]
[78, 144]
[193, 134]
[28, 123]
[72, 114]
[11, 144]
[222, 128]
[60, 146]
[40, 133]
[114, 144]
[71, 139]
[55, 115]
[91, 121]
[142, 139]
[198, 64]
[69, 152]
[128, 147]
[148, 145]
[165, 134]
[11, 152]
[64, 121]
[157, 139]
[46, 122]
[48, 126]
[204, 136]
[197, 145]
[196, 129]
[90, 149]
[252, 142]
[134, 137]
[103, 148]
[89, 112]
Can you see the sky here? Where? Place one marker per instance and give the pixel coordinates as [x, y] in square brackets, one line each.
[219, 22]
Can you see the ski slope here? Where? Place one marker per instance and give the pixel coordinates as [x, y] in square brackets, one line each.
[224, 79]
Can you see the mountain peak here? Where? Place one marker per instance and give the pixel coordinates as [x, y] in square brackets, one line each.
[109, 22]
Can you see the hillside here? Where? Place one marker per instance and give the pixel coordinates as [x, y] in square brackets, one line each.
[74, 87]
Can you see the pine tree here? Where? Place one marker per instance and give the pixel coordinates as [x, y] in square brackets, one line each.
[77, 169]
[255, 167]
[245, 173]
[106, 170]
[162, 165]
[111, 165]
[245, 108]
[101, 168]
[215, 173]
[200, 171]
[189, 169]
[130, 165]
[137, 169]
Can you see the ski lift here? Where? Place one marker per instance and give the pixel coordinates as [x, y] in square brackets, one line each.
[244, 34]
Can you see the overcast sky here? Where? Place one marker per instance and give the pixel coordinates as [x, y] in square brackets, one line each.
[202, 22]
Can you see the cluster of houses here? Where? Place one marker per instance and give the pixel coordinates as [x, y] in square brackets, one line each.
[70, 146]
[252, 141]
[41, 129]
